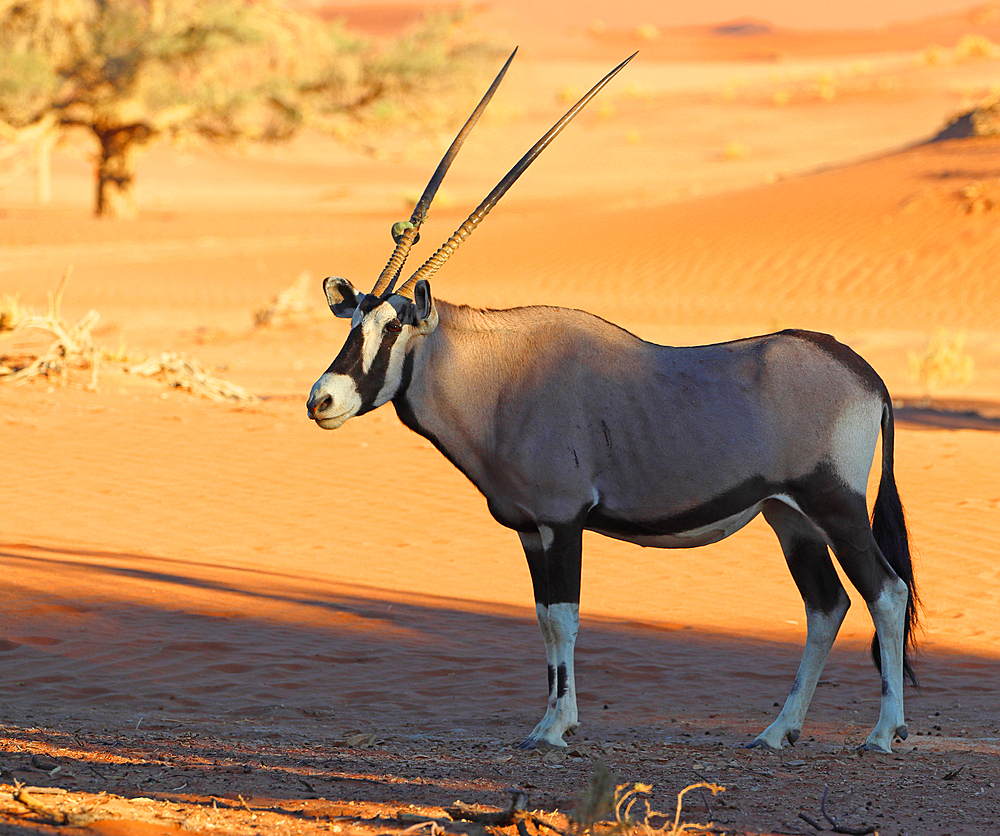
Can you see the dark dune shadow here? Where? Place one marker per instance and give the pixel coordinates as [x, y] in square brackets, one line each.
[949, 415]
[341, 695]
[338, 659]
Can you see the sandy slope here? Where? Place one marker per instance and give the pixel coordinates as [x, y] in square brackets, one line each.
[233, 572]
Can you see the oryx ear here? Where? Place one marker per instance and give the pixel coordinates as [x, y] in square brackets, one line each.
[423, 304]
[342, 296]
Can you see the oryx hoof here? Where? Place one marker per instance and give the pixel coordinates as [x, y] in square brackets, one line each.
[871, 746]
[760, 743]
[541, 744]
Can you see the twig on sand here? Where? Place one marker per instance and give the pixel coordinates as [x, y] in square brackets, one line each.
[517, 814]
[55, 814]
[835, 825]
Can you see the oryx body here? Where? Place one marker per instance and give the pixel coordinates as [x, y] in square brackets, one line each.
[568, 423]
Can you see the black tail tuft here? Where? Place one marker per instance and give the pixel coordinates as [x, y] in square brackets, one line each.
[889, 528]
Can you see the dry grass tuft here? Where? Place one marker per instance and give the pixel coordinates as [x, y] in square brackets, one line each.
[943, 362]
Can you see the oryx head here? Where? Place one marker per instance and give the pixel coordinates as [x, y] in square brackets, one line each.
[388, 321]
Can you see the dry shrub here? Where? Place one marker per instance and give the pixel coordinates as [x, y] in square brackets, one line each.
[734, 151]
[981, 120]
[969, 47]
[979, 196]
[975, 46]
[647, 32]
[64, 348]
[288, 305]
[986, 117]
[603, 799]
[943, 362]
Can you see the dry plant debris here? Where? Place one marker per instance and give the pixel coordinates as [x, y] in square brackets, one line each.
[982, 120]
[188, 375]
[603, 798]
[66, 347]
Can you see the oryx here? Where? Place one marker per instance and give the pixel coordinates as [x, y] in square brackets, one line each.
[566, 422]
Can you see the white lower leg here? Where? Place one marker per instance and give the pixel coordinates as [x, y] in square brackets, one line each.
[889, 614]
[821, 630]
[559, 624]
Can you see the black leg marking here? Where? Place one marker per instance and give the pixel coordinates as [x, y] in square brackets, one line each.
[555, 571]
[808, 558]
[561, 689]
[552, 679]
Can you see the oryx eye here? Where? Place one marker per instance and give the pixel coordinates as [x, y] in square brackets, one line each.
[393, 326]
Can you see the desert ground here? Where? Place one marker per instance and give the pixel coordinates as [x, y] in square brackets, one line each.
[217, 618]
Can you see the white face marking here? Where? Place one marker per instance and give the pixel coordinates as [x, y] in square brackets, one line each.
[373, 332]
[345, 399]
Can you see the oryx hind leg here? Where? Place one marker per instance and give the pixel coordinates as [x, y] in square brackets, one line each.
[554, 556]
[826, 604]
[842, 515]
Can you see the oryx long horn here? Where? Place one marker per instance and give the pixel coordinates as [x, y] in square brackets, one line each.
[436, 261]
[408, 234]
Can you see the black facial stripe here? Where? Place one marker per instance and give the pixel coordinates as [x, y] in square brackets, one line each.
[369, 385]
[349, 362]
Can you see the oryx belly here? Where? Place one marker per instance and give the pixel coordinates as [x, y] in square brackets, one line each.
[700, 536]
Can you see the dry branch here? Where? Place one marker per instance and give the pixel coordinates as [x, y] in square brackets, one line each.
[835, 825]
[55, 814]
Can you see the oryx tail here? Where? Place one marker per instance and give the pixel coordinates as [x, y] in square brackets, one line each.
[889, 528]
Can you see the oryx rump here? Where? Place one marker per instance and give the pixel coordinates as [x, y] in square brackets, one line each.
[568, 423]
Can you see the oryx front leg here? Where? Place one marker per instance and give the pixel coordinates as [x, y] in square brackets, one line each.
[554, 560]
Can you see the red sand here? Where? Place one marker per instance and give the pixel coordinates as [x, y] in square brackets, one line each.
[181, 574]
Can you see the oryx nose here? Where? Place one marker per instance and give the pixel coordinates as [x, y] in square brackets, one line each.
[316, 406]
